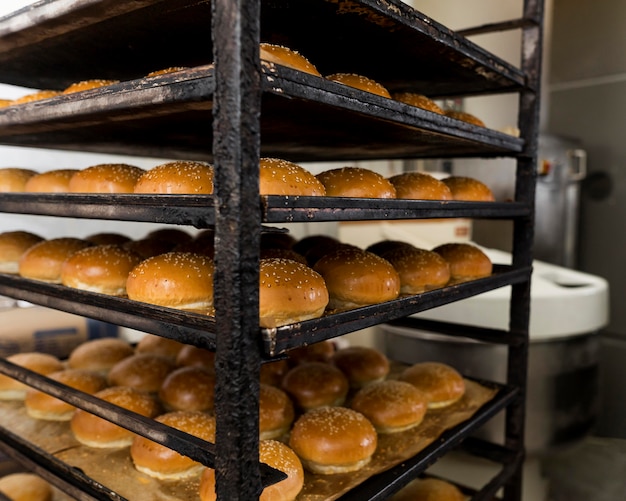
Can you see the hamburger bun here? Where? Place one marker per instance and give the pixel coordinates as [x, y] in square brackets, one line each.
[441, 384]
[41, 363]
[164, 463]
[281, 177]
[276, 412]
[420, 186]
[157, 345]
[465, 117]
[362, 365]
[332, 440]
[278, 456]
[25, 487]
[44, 260]
[467, 262]
[40, 405]
[87, 85]
[99, 355]
[355, 278]
[36, 96]
[174, 236]
[391, 406]
[289, 292]
[316, 352]
[177, 177]
[94, 431]
[277, 240]
[149, 247]
[419, 269]
[99, 268]
[272, 373]
[193, 356]
[142, 371]
[360, 82]
[305, 244]
[278, 253]
[418, 100]
[468, 189]
[188, 389]
[180, 280]
[12, 245]
[381, 247]
[287, 57]
[54, 181]
[108, 239]
[165, 71]
[14, 179]
[356, 182]
[429, 489]
[106, 178]
[316, 384]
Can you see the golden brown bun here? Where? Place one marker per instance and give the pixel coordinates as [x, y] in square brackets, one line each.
[356, 278]
[142, 371]
[93, 431]
[165, 71]
[40, 405]
[14, 179]
[54, 181]
[276, 412]
[25, 487]
[420, 186]
[276, 240]
[277, 253]
[41, 363]
[188, 389]
[108, 239]
[360, 82]
[88, 84]
[289, 292]
[272, 373]
[157, 345]
[106, 178]
[6, 102]
[192, 356]
[180, 280]
[470, 189]
[149, 247]
[465, 117]
[44, 261]
[441, 384]
[100, 268]
[163, 463]
[316, 253]
[356, 182]
[419, 269]
[418, 100]
[362, 365]
[332, 440]
[287, 57]
[12, 245]
[36, 96]
[466, 261]
[316, 352]
[99, 355]
[381, 247]
[278, 456]
[316, 384]
[177, 177]
[391, 406]
[304, 245]
[281, 177]
[429, 489]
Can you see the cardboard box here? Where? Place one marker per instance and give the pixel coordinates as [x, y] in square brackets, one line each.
[36, 328]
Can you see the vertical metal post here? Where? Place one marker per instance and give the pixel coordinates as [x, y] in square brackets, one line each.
[236, 147]
[523, 233]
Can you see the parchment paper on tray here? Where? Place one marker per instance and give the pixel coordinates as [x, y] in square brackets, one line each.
[395, 448]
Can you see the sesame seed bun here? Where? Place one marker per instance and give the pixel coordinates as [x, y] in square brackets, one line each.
[12, 245]
[276, 412]
[41, 363]
[429, 489]
[287, 57]
[356, 182]
[14, 179]
[441, 384]
[468, 189]
[88, 84]
[332, 440]
[99, 355]
[44, 260]
[360, 82]
[281, 177]
[418, 100]
[177, 177]
[419, 269]
[465, 117]
[467, 262]
[289, 292]
[316, 384]
[193, 356]
[36, 96]
[164, 463]
[188, 389]
[106, 178]
[158, 345]
[420, 186]
[25, 487]
[54, 181]
[362, 365]
[142, 371]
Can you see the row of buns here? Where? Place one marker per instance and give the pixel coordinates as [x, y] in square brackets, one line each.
[298, 280]
[331, 436]
[277, 177]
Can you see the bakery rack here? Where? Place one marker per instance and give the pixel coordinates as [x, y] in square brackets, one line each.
[228, 108]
